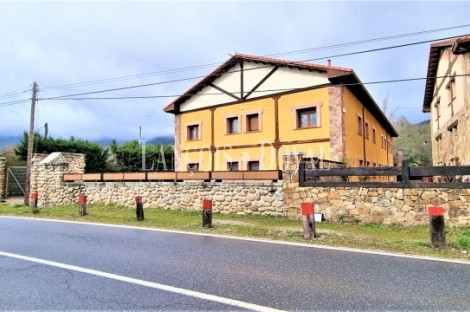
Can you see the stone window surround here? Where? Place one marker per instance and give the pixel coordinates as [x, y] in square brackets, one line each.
[195, 123]
[245, 115]
[246, 160]
[437, 105]
[238, 161]
[226, 117]
[360, 162]
[451, 92]
[295, 115]
[360, 124]
[366, 129]
[191, 162]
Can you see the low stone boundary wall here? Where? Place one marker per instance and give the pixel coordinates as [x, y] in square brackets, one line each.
[259, 198]
[381, 205]
[374, 205]
[2, 177]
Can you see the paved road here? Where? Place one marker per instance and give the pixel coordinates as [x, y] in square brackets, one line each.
[112, 268]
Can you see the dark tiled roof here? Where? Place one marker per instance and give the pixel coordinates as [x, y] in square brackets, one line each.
[336, 75]
[458, 45]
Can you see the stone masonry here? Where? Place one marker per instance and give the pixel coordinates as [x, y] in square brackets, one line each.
[2, 177]
[373, 205]
[337, 128]
[381, 205]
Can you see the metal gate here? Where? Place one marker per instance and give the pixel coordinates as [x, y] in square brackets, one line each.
[16, 181]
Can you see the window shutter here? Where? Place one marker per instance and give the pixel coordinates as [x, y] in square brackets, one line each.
[254, 123]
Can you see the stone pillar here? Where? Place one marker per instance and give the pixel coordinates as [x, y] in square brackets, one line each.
[35, 171]
[337, 126]
[2, 177]
[290, 168]
[50, 185]
[177, 147]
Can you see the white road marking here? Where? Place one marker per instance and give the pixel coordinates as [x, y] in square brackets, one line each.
[181, 291]
[373, 252]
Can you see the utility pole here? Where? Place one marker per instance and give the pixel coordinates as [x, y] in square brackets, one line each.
[29, 159]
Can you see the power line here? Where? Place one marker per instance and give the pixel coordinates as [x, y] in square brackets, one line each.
[13, 93]
[254, 68]
[15, 102]
[370, 40]
[271, 90]
[125, 110]
[128, 77]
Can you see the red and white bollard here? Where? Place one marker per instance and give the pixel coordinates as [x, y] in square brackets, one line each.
[437, 227]
[308, 221]
[82, 204]
[34, 200]
[139, 208]
[207, 213]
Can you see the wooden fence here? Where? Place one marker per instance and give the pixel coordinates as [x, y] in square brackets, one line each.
[404, 176]
[273, 175]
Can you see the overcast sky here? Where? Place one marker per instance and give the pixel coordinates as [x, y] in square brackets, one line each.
[61, 43]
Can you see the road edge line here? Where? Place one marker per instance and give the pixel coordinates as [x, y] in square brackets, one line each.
[366, 251]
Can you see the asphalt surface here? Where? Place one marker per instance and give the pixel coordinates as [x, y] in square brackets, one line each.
[269, 275]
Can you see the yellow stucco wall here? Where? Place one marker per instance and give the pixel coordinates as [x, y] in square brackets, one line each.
[249, 143]
[355, 142]
[264, 106]
[287, 131]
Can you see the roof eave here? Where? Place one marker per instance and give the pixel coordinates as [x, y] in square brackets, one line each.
[355, 85]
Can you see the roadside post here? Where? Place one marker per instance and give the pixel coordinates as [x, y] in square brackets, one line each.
[34, 200]
[139, 208]
[437, 226]
[207, 213]
[308, 221]
[82, 204]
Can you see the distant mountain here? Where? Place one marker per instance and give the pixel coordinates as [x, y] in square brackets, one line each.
[8, 141]
[426, 122]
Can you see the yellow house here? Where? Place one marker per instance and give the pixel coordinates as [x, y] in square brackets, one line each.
[446, 97]
[251, 110]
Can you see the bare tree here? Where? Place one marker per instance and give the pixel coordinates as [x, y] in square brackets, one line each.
[390, 113]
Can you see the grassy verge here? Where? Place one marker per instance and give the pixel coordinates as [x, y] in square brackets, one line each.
[395, 238]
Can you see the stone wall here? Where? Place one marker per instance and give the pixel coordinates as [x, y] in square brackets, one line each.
[2, 177]
[256, 198]
[380, 205]
[373, 205]
[337, 125]
[47, 175]
[453, 148]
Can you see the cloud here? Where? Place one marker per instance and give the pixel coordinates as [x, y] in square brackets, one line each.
[61, 43]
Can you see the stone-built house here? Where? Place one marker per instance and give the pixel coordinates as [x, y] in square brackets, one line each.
[250, 110]
[446, 97]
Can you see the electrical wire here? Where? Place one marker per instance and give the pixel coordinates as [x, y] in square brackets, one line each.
[254, 68]
[15, 102]
[278, 54]
[271, 90]
[14, 93]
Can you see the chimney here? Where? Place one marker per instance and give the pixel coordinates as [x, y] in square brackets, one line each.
[329, 63]
[400, 158]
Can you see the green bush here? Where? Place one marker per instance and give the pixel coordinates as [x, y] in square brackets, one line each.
[128, 156]
[95, 154]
